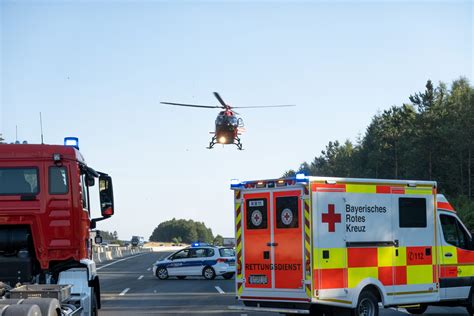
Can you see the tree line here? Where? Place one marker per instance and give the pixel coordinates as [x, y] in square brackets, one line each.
[431, 137]
[181, 230]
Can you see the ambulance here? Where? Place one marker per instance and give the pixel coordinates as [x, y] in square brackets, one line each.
[320, 245]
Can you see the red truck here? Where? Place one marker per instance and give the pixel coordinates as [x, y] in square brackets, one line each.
[45, 220]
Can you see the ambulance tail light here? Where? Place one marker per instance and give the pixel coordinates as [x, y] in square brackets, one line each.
[261, 184]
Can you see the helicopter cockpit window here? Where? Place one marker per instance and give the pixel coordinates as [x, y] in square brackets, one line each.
[220, 119]
[233, 120]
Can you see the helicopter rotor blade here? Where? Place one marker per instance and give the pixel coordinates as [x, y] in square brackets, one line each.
[192, 105]
[218, 97]
[263, 106]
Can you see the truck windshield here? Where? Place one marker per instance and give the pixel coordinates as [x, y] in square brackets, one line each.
[17, 181]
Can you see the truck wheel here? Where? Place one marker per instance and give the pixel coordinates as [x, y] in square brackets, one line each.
[209, 273]
[228, 276]
[367, 305]
[417, 310]
[162, 273]
[94, 309]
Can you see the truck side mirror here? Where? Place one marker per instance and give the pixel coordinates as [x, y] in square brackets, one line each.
[98, 239]
[90, 181]
[106, 194]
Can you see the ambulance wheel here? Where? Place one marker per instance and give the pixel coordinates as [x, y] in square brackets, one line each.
[367, 305]
[470, 303]
[162, 273]
[209, 273]
[228, 276]
[181, 277]
[417, 310]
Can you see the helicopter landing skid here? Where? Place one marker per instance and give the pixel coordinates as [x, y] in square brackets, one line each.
[212, 143]
[236, 143]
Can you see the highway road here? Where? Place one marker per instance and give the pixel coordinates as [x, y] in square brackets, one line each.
[129, 288]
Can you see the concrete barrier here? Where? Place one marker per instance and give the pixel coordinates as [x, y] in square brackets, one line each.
[110, 252]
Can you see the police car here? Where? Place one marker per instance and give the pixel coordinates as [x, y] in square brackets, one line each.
[197, 260]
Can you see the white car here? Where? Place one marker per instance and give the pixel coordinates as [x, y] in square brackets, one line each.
[197, 260]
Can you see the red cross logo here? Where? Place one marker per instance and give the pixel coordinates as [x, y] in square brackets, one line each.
[287, 216]
[331, 217]
[257, 218]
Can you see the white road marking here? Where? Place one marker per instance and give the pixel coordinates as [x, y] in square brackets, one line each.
[140, 277]
[109, 264]
[219, 290]
[124, 291]
[149, 269]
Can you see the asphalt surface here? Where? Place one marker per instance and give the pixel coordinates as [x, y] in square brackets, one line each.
[129, 288]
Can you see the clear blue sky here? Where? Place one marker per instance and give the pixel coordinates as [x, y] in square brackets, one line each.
[97, 70]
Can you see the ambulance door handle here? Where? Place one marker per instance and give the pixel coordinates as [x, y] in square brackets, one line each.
[272, 244]
[448, 254]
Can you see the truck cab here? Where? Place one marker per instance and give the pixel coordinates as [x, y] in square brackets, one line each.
[45, 219]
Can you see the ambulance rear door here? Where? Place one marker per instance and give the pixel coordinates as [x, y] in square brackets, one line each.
[257, 239]
[273, 244]
[288, 240]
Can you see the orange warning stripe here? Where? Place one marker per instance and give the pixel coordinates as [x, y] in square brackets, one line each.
[445, 206]
[238, 234]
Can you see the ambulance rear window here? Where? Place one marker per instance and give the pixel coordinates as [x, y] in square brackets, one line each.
[256, 213]
[287, 212]
[412, 212]
[18, 181]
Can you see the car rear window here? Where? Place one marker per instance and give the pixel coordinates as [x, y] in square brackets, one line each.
[17, 181]
[227, 252]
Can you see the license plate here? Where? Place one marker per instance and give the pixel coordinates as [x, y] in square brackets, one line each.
[258, 279]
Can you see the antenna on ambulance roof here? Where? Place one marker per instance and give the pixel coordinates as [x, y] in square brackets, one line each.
[16, 134]
[41, 126]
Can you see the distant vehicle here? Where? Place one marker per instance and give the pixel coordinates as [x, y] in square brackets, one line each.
[197, 260]
[228, 242]
[228, 126]
[137, 241]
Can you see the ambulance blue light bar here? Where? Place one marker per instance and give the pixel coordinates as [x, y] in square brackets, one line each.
[235, 183]
[72, 141]
[301, 177]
